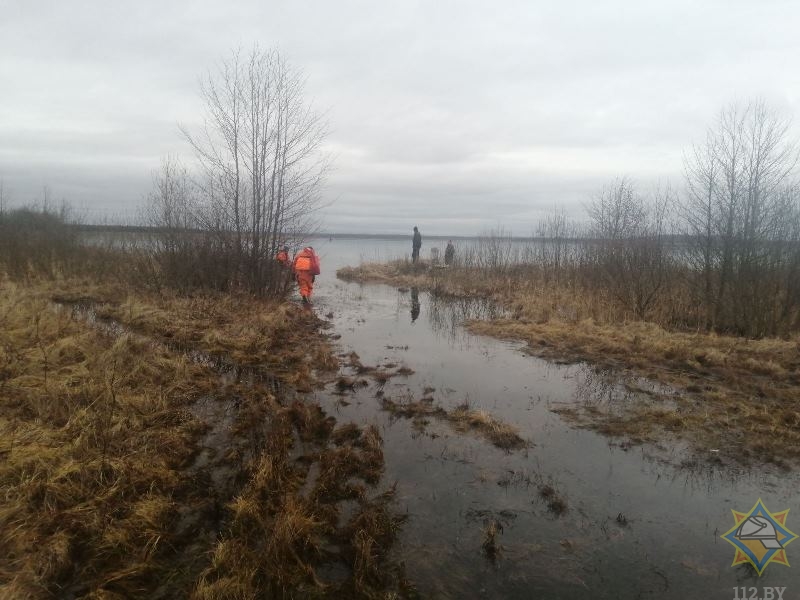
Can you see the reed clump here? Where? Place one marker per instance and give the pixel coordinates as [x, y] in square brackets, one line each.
[287, 522]
[463, 418]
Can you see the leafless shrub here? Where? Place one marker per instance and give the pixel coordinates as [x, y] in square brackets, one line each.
[261, 167]
[632, 254]
[740, 217]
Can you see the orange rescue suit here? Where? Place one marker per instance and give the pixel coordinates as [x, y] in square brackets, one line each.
[283, 257]
[306, 267]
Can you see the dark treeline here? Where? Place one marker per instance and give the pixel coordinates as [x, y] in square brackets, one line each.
[38, 241]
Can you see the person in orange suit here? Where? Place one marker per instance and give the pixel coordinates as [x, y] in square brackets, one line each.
[306, 268]
[283, 256]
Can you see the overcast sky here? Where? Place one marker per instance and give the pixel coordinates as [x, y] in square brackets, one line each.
[455, 116]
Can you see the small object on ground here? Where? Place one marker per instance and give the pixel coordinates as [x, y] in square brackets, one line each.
[490, 546]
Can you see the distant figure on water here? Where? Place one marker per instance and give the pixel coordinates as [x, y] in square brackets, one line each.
[306, 268]
[416, 244]
[449, 253]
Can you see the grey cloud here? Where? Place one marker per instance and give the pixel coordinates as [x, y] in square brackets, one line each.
[456, 115]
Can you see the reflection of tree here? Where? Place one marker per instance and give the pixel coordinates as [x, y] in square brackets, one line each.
[414, 304]
[446, 315]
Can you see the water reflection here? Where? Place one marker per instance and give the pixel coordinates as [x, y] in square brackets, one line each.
[640, 518]
[612, 393]
[414, 304]
[447, 315]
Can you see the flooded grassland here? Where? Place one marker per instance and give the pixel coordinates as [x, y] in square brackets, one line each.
[737, 396]
[158, 446]
[383, 443]
[625, 480]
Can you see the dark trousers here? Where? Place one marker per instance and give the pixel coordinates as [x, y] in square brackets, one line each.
[414, 254]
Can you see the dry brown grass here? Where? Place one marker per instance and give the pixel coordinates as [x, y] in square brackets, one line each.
[279, 338]
[735, 394]
[94, 438]
[555, 501]
[101, 496]
[498, 433]
[491, 547]
[400, 273]
[732, 394]
[286, 526]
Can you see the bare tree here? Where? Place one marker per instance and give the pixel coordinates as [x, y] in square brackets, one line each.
[260, 152]
[555, 232]
[174, 249]
[734, 212]
[631, 235]
[701, 219]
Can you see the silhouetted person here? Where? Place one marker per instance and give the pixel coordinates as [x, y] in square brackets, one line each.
[449, 253]
[416, 244]
[414, 304]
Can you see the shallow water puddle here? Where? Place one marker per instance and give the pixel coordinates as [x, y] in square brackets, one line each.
[576, 514]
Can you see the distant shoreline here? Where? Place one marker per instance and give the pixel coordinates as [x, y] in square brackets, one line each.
[335, 236]
[674, 239]
[342, 236]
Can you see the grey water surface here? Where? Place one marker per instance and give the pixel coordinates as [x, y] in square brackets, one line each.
[641, 521]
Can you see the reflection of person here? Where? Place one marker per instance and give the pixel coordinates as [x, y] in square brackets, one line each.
[306, 268]
[416, 244]
[449, 253]
[414, 304]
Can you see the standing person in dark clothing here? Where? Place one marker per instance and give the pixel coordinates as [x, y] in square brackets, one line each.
[449, 253]
[416, 244]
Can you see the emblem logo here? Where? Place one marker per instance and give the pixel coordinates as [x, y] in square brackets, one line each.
[760, 537]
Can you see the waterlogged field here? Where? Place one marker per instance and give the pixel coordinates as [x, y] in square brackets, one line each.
[155, 447]
[371, 446]
[566, 513]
